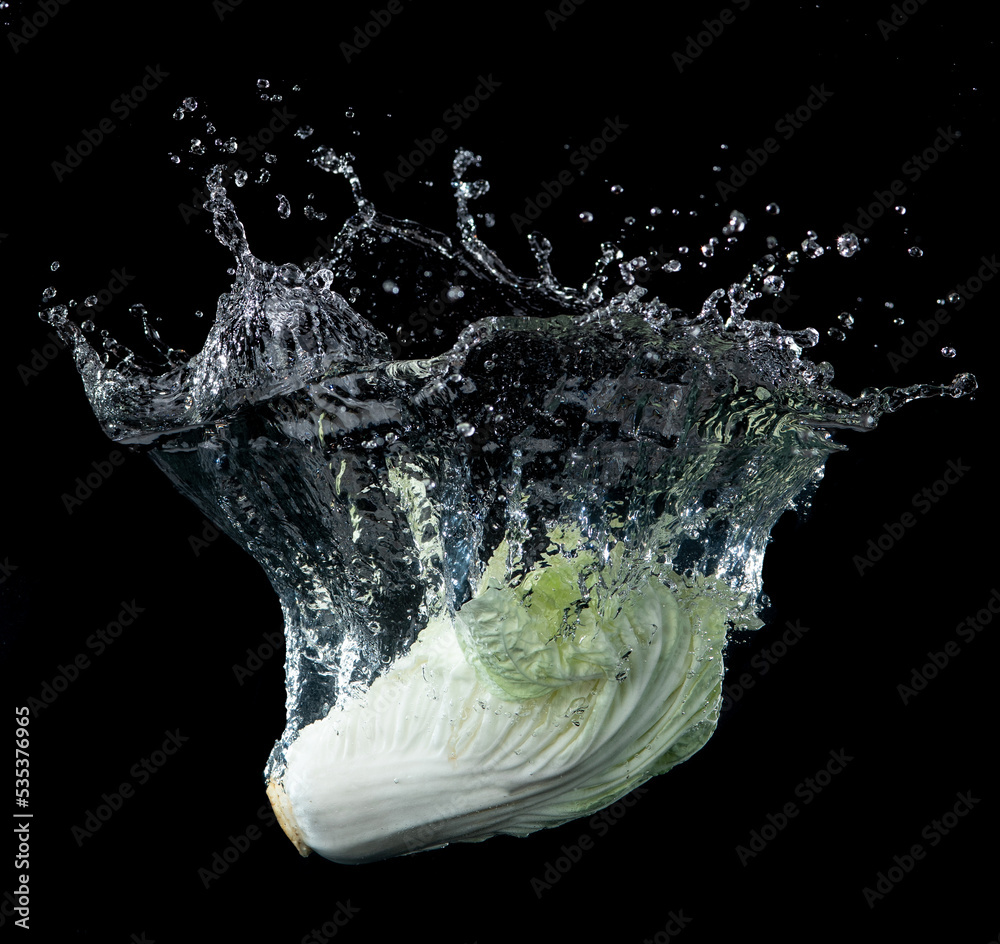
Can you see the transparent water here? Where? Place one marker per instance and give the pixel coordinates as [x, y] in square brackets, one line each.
[373, 473]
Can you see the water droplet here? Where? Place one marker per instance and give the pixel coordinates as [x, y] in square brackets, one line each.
[87, 325]
[313, 214]
[240, 177]
[901, 210]
[263, 84]
[304, 132]
[672, 266]
[587, 216]
[264, 176]
[465, 429]
[455, 293]
[708, 250]
[737, 223]
[846, 319]
[811, 246]
[773, 209]
[189, 104]
[948, 351]
[953, 297]
[773, 284]
[655, 211]
[284, 207]
[915, 252]
[848, 244]
[199, 314]
[270, 158]
[349, 113]
[391, 287]
[899, 321]
[54, 267]
[890, 305]
[196, 146]
[716, 169]
[617, 188]
[48, 293]
[836, 334]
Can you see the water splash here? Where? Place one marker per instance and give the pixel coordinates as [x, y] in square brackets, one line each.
[374, 463]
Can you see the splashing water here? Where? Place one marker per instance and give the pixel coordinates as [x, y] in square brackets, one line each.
[385, 483]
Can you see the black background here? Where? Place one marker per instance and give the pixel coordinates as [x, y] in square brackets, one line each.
[675, 850]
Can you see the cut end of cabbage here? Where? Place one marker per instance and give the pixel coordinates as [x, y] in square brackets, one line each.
[509, 717]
